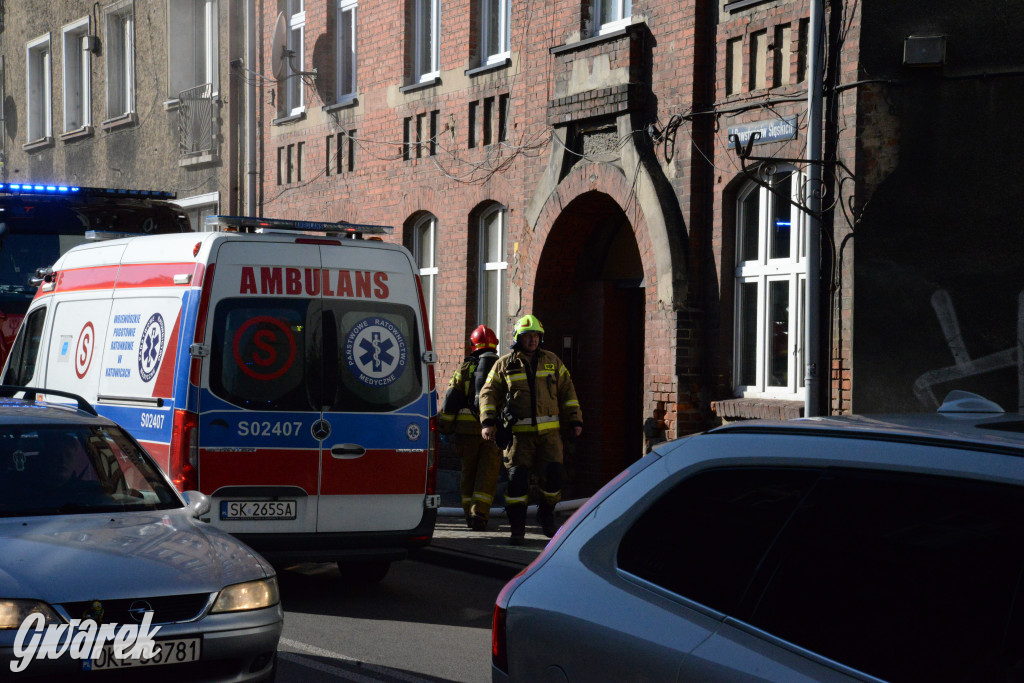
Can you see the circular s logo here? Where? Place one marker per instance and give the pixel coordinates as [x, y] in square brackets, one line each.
[264, 347]
[84, 349]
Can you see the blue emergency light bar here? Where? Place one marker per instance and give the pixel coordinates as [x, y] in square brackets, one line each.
[75, 191]
[250, 223]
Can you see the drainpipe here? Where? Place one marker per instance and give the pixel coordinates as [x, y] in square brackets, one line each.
[812, 324]
[251, 177]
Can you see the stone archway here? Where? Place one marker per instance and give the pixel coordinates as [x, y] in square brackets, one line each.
[589, 294]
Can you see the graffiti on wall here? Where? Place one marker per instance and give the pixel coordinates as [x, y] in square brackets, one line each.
[963, 365]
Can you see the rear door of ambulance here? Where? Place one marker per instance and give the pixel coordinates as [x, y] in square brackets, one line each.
[294, 437]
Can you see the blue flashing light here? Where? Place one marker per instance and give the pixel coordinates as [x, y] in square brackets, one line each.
[28, 188]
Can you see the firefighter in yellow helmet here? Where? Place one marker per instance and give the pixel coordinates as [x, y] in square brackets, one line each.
[530, 389]
[459, 422]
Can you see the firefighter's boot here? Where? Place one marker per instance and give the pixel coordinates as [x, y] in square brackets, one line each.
[517, 523]
[546, 518]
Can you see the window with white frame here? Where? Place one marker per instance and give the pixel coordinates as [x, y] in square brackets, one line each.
[493, 268]
[771, 280]
[37, 55]
[192, 48]
[293, 90]
[346, 87]
[426, 40]
[494, 30]
[424, 249]
[77, 70]
[119, 48]
[611, 15]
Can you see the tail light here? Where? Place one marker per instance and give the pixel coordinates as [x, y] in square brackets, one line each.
[499, 635]
[432, 457]
[499, 622]
[183, 464]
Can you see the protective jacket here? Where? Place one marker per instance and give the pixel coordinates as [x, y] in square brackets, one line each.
[540, 394]
[460, 412]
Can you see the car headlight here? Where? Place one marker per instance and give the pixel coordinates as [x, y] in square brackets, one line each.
[14, 612]
[248, 595]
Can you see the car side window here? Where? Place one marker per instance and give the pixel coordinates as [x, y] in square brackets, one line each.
[908, 578]
[22, 365]
[704, 538]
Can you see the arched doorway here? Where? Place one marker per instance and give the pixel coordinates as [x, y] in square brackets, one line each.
[589, 294]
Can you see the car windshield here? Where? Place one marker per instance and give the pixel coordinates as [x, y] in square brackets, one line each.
[77, 469]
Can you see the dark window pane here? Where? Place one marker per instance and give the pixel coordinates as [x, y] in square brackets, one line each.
[704, 538]
[26, 349]
[749, 217]
[747, 334]
[260, 353]
[778, 333]
[782, 216]
[378, 367]
[908, 578]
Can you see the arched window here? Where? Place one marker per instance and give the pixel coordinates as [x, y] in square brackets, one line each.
[424, 250]
[493, 267]
[771, 281]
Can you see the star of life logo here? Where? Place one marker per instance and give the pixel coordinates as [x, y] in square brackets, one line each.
[82, 639]
[375, 352]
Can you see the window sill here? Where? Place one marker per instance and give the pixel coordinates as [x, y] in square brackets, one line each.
[77, 134]
[36, 145]
[486, 68]
[121, 121]
[170, 105]
[436, 80]
[289, 119]
[345, 103]
[737, 5]
[757, 409]
[199, 159]
[597, 40]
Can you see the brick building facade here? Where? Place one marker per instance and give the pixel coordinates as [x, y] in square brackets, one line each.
[574, 159]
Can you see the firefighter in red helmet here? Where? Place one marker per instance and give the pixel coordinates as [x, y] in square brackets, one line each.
[460, 421]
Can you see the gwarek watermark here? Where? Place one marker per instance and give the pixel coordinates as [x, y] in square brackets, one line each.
[82, 639]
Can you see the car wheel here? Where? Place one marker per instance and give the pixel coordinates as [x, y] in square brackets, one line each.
[372, 571]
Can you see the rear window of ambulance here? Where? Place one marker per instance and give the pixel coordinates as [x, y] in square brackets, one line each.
[282, 354]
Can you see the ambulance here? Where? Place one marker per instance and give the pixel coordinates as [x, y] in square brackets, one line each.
[282, 368]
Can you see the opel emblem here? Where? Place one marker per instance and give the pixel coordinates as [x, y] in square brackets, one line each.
[137, 610]
[321, 430]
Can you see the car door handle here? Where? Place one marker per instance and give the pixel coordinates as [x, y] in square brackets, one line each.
[347, 450]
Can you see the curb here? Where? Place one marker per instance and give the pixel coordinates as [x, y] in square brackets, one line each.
[467, 562]
[563, 506]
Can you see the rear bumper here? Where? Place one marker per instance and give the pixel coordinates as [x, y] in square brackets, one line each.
[348, 546]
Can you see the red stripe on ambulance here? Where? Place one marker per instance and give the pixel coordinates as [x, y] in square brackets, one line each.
[100, 277]
[376, 472]
[264, 467]
[153, 274]
[348, 284]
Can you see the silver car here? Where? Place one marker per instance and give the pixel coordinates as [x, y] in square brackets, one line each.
[92, 532]
[823, 549]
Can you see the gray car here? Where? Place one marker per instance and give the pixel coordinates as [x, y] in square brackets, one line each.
[824, 549]
[91, 529]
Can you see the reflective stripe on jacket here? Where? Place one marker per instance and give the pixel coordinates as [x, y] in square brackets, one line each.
[464, 421]
[552, 401]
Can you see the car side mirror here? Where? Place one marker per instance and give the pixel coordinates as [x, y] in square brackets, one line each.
[197, 502]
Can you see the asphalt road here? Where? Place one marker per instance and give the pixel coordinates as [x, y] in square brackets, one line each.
[421, 623]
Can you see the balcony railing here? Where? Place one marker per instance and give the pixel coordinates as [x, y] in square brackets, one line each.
[196, 121]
